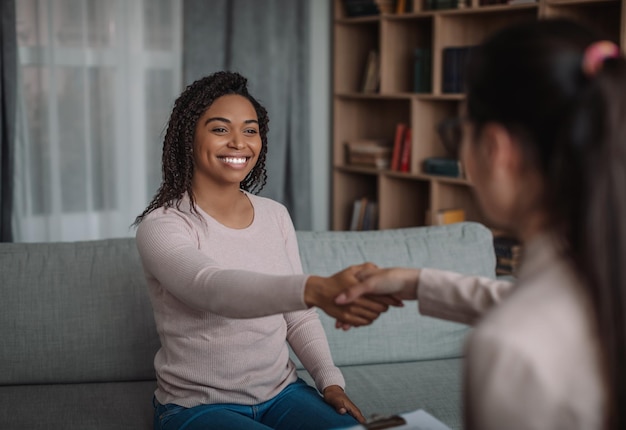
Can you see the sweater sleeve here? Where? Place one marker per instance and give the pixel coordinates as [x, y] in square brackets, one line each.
[459, 298]
[307, 338]
[305, 332]
[170, 255]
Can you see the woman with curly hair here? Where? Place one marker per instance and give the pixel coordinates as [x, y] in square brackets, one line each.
[226, 283]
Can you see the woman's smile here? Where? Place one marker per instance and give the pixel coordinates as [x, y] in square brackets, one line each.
[235, 161]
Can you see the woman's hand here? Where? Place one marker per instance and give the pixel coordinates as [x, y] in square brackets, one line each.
[394, 284]
[338, 399]
[397, 282]
[322, 291]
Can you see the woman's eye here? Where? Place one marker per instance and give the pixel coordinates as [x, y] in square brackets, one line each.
[219, 130]
[251, 131]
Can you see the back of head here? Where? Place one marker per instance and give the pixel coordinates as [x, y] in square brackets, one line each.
[571, 124]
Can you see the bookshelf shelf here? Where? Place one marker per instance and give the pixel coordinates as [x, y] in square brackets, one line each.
[375, 96]
[581, 2]
[358, 20]
[420, 37]
[402, 96]
[440, 97]
[500, 8]
[410, 15]
[360, 170]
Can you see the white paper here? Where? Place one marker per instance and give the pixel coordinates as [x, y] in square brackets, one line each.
[416, 420]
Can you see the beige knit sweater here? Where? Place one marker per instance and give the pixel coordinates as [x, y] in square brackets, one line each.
[226, 302]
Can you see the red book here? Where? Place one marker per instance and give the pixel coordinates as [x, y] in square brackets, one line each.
[397, 146]
[405, 157]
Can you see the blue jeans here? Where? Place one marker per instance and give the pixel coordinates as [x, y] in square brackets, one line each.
[297, 407]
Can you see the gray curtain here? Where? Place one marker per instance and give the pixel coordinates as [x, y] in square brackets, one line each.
[267, 41]
[8, 85]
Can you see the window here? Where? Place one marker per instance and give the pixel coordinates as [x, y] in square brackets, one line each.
[98, 80]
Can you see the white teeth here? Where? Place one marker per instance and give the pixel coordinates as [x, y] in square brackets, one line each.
[234, 160]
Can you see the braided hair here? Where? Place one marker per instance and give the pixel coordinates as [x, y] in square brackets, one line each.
[177, 160]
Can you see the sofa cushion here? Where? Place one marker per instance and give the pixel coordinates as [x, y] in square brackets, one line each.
[99, 406]
[75, 312]
[401, 334]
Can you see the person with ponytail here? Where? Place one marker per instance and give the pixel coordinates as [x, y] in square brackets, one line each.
[543, 141]
[225, 280]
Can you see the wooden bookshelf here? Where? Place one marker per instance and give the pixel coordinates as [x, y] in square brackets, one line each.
[407, 198]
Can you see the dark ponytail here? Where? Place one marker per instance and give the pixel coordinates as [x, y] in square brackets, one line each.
[572, 127]
[599, 239]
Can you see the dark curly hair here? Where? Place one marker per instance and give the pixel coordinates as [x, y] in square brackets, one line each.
[177, 160]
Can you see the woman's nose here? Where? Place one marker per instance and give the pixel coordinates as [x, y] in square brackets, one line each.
[237, 141]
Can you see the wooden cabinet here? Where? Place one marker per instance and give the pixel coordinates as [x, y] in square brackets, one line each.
[410, 198]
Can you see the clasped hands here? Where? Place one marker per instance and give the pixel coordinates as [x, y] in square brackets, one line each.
[357, 295]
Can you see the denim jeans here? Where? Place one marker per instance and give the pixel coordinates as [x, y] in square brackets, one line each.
[297, 407]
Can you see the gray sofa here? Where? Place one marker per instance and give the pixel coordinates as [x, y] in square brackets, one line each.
[78, 336]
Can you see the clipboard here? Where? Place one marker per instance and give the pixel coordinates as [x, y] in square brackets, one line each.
[384, 422]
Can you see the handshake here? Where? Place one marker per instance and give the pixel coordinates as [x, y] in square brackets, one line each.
[356, 296]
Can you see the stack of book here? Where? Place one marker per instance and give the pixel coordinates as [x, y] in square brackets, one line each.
[374, 153]
[508, 254]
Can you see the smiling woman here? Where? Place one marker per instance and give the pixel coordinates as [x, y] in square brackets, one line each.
[225, 279]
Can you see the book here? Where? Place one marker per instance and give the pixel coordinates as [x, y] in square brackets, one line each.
[414, 420]
[440, 4]
[354, 8]
[449, 216]
[422, 59]
[356, 210]
[405, 155]
[370, 217]
[454, 63]
[362, 210]
[491, 2]
[508, 252]
[364, 214]
[397, 146]
[443, 166]
[372, 73]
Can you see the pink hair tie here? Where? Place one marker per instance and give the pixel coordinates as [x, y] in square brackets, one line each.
[596, 54]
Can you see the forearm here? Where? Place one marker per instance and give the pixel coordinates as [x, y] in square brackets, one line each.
[308, 340]
[459, 298]
[242, 294]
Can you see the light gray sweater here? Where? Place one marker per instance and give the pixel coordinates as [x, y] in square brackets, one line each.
[533, 361]
[225, 302]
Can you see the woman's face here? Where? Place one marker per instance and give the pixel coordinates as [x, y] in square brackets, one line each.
[226, 143]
